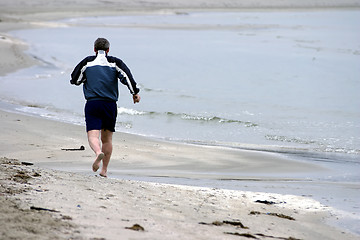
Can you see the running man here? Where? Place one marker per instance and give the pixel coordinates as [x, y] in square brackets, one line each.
[99, 75]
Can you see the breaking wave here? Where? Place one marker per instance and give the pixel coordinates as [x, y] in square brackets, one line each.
[122, 110]
[288, 139]
[316, 145]
[187, 117]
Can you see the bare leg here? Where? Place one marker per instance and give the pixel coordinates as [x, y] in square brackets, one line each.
[107, 147]
[94, 142]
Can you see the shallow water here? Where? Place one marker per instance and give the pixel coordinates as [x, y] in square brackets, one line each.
[268, 79]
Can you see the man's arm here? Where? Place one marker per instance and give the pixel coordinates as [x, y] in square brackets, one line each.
[126, 77]
[78, 76]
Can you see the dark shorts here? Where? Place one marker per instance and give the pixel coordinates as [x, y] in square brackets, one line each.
[100, 115]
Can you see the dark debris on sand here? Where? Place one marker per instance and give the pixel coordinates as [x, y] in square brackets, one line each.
[280, 215]
[239, 225]
[21, 223]
[136, 227]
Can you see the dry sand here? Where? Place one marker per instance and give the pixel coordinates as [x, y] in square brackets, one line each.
[47, 204]
[84, 206]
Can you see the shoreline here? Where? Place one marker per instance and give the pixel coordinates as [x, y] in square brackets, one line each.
[39, 141]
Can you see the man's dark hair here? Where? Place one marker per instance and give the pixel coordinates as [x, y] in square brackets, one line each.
[101, 44]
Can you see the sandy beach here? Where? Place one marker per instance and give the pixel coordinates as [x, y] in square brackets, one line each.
[39, 202]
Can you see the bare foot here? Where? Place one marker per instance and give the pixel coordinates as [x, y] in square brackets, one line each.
[96, 164]
[103, 175]
[103, 172]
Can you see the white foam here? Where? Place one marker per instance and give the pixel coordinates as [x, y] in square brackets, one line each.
[122, 110]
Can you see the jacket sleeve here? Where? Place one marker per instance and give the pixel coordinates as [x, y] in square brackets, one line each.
[126, 77]
[78, 75]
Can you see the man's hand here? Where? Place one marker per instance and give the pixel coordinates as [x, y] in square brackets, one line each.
[136, 98]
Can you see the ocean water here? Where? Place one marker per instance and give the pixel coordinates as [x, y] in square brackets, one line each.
[285, 82]
[262, 80]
